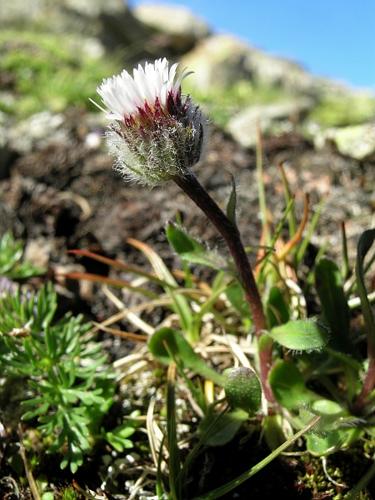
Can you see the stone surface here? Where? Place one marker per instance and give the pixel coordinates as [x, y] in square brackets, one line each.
[357, 141]
[37, 131]
[109, 20]
[222, 60]
[218, 61]
[272, 118]
[270, 70]
[182, 28]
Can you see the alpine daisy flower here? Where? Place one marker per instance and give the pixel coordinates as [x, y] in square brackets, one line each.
[155, 133]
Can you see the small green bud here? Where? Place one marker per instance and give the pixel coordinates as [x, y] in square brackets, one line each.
[242, 389]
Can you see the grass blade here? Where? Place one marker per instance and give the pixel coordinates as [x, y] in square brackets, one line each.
[223, 490]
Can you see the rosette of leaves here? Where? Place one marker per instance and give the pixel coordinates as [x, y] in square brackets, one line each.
[68, 386]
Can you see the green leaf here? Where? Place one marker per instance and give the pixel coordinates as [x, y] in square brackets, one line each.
[189, 249]
[301, 335]
[40, 410]
[182, 242]
[365, 242]
[236, 296]
[232, 203]
[243, 389]
[11, 265]
[118, 438]
[277, 310]
[220, 429]
[288, 386]
[329, 285]
[174, 462]
[272, 427]
[168, 345]
[48, 495]
[332, 432]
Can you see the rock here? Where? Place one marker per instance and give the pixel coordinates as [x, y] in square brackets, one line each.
[38, 252]
[218, 61]
[270, 70]
[109, 20]
[356, 141]
[270, 117]
[222, 60]
[37, 131]
[180, 26]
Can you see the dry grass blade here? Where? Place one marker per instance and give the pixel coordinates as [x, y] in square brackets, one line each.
[29, 475]
[238, 352]
[155, 435]
[156, 262]
[133, 318]
[180, 303]
[298, 234]
[118, 264]
[104, 280]
[135, 337]
[130, 359]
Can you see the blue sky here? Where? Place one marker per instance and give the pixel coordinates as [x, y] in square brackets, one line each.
[334, 38]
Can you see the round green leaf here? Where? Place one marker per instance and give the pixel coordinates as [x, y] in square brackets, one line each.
[301, 335]
[288, 386]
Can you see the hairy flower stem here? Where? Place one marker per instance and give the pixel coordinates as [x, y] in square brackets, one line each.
[229, 231]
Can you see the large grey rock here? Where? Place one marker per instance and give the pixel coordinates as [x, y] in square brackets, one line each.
[271, 118]
[276, 71]
[221, 60]
[109, 20]
[181, 27]
[356, 141]
[218, 61]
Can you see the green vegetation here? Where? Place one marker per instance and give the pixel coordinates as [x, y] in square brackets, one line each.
[222, 104]
[310, 353]
[48, 71]
[67, 389]
[330, 111]
[67, 384]
[12, 264]
[191, 378]
[340, 111]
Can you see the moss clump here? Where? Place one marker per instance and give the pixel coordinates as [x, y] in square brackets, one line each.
[222, 104]
[48, 71]
[340, 111]
[344, 467]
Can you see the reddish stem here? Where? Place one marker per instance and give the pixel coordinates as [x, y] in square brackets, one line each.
[229, 231]
[368, 384]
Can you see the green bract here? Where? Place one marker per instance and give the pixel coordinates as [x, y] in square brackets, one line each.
[242, 389]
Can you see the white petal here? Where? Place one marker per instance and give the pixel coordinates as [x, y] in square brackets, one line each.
[123, 94]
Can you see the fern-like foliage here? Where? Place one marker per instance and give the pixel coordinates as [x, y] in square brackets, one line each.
[68, 386]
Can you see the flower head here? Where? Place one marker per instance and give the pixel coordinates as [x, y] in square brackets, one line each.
[155, 133]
